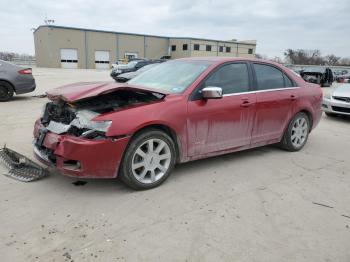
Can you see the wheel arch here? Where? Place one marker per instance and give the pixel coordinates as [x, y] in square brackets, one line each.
[9, 83]
[309, 115]
[305, 111]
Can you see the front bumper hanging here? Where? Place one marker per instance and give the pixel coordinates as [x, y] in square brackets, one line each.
[20, 167]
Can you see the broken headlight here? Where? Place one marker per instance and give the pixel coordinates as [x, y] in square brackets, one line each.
[82, 124]
[84, 120]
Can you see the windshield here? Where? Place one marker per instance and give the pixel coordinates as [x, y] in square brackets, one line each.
[172, 76]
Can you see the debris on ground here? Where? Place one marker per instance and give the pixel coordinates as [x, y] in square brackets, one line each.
[345, 216]
[20, 167]
[67, 255]
[40, 96]
[322, 205]
[79, 183]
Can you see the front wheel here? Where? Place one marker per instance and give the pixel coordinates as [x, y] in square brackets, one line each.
[297, 133]
[148, 160]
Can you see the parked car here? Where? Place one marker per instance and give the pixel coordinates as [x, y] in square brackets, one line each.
[340, 72]
[185, 110]
[124, 61]
[345, 78]
[14, 79]
[317, 75]
[337, 102]
[131, 67]
[122, 78]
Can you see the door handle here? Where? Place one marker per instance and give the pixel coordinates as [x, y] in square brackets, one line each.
[293, 97]
[246, 103]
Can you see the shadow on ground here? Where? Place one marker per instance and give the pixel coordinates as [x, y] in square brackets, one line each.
[193, 168]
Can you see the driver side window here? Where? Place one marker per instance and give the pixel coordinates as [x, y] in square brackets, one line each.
[232, 78]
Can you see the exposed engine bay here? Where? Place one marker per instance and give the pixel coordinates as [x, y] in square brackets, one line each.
[77, 118]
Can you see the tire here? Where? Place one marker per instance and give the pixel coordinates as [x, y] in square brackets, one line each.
[6, 91]
[138, 162]
[297, 133]
[330, 114]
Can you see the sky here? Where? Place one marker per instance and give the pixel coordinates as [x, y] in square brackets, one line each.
[276, 24]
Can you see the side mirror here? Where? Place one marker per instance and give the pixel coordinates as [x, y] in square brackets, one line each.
[212, 92]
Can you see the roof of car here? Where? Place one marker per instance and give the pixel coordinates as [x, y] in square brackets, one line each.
[227, 59]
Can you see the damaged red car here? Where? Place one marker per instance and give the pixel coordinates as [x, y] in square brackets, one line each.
[179, 111]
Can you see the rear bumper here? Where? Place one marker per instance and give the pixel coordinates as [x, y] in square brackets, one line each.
[335, 106]
[25, 89]
[79, 157]
[25, 86]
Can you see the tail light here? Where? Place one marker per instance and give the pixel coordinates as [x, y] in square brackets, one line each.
[27, 71]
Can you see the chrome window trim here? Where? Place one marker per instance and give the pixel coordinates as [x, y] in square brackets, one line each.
[261, 91]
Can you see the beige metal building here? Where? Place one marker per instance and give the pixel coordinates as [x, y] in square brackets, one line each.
[68, 47]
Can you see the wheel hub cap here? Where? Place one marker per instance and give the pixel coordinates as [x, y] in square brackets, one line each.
[299, 132]
[151, 161]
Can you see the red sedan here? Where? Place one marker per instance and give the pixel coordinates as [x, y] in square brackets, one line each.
[176, 112]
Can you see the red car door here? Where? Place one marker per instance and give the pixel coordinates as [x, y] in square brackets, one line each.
[219, 124]
[276, 96]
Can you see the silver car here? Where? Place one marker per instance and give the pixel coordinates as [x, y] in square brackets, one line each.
[337, 102]
[14, 79]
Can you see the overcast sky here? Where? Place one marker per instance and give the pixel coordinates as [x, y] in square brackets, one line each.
[275, 24]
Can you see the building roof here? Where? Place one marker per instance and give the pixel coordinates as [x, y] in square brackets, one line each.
[248, 42]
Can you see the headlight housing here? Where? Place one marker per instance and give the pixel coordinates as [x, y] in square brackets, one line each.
[84, 120]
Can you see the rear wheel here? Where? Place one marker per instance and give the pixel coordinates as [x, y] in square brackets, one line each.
[6, 91]
[148, 160]
[297, 133]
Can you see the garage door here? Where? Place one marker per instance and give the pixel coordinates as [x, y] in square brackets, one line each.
[69, 58]
[102, 59]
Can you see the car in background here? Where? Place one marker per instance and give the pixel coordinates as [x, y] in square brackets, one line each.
[337, 102]
[183, 110]
[318, 75]
[339, 72]
[124, 61]
[122, 78]
[132, 66]
[345, 78]
[14, 79]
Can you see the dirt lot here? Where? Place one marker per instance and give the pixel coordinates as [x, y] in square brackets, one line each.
[257, 205]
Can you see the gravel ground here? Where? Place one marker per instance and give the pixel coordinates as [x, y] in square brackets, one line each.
[258, 205]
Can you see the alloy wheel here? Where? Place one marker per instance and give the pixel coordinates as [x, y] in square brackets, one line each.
[300, 130]
[151, 161]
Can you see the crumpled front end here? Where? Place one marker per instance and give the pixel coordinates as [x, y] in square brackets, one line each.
[77, 156]
[69, 137]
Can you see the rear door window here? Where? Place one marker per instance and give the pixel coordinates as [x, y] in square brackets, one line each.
[268, 77]
[287, 81]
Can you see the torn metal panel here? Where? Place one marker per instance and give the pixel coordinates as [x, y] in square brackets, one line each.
[57, 128]
[20, 167]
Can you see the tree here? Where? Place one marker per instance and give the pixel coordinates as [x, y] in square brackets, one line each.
[277, 60]
[332, 59]
[304, 57]
[7, 56]
[344, 61]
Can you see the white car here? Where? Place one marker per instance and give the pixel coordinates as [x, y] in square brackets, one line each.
[337, 102]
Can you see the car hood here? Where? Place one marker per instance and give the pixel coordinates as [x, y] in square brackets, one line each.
[78, 91]
[342, 90]
[123, 66]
